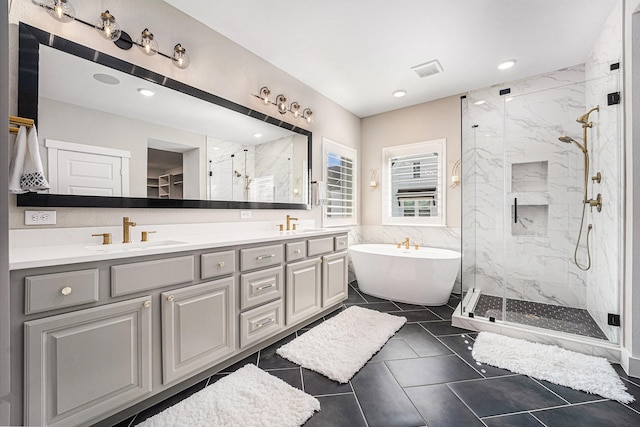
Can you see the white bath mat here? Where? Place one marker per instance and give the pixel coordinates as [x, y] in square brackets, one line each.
[247, 397]
[551, 363]
[340, 346]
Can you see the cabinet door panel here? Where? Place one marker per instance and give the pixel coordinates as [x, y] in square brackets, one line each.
[80, 365]
[334, 278]
[198, 325]
[303, 290]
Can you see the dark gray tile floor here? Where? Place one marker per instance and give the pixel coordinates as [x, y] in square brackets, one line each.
[425, 376]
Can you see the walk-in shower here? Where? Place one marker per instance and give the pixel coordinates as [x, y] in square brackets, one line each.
[523, 265]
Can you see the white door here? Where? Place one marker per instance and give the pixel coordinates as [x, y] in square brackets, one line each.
[87, 170]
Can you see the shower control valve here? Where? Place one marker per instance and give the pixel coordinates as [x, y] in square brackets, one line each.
[595, 203]
[597, 178]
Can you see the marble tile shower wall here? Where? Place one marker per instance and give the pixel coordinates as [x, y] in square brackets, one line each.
[603, 280]
[539, 110]
[274, 160]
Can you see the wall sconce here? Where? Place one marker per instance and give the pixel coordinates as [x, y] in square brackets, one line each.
[455, 174]
[60, 10]
[373, 184]
[147, 43]
[107, 27]
[281, 104]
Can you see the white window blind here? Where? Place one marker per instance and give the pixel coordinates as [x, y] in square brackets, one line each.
[339, 175]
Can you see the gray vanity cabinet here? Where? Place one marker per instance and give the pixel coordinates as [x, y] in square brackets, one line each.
[82, 364]
[335, 280]
[304, 289]
[198, 327]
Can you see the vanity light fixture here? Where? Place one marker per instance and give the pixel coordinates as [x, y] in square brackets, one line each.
[180, 57]
[295, 109]
[107, 26]
[147, 43]
[60, 10]
[505, 65]
[281, 102]
[264, 95]
[306, 114]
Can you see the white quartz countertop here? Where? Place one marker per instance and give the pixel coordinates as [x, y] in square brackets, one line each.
[170, 240]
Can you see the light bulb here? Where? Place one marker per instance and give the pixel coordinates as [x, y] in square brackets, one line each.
[147, 43]
[107, 26]
[60, 10]
[180, 57]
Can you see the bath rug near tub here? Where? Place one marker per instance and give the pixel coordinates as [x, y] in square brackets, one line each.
[579, 371]
[337, 348]
[249, 397]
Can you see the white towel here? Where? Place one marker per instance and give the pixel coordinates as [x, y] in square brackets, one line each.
[321, 193]
[25, 170]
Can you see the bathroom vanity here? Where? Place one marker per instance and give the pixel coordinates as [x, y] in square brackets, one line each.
[98, 333]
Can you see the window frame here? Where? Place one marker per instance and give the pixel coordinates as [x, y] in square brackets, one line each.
[433, 146]
[330, 146]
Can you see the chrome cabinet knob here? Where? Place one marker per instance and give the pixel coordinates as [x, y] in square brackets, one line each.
[66, 290]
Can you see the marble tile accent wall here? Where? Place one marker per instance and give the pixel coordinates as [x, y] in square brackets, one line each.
[604, 278]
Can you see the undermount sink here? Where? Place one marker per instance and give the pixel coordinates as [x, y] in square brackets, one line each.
[136, 246]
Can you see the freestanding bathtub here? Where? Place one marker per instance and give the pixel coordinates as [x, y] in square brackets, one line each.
[425, 276]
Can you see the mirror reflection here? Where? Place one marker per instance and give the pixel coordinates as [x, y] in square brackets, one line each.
[108, 133]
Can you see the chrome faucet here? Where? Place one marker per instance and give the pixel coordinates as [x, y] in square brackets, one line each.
[126, 237]
[289, 219]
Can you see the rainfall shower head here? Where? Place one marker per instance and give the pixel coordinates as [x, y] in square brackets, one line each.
[584, 119]
[569, 140]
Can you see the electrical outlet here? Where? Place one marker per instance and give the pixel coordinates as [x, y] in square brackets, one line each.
[245, 214]
[39, 217]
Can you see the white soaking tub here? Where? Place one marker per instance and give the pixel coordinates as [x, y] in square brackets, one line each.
[425, 276]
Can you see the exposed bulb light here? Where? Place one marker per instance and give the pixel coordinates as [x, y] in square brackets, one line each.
[295, 109]
[480, 102]
[107, 26]
[180, 57]
[306, 114]
[264, 94]
[60, 10]
[399, 93]
[505, 65]
[146, 92]
[281, 103]
[147, 43]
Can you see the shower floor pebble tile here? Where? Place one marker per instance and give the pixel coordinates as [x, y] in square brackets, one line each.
[425, 375]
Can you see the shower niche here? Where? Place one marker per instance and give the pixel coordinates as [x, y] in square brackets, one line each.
[530, 189]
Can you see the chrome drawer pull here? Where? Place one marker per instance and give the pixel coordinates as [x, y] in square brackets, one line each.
[260, 325]
[265, 256]
[66, 290]
[273, 285]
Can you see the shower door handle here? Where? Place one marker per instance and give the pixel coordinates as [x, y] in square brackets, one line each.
[515, 210]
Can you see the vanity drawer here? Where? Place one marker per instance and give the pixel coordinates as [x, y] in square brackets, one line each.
[51, 291]
[320, 246]
[217, 264]
[260, 323]
[141, 276]
[296, 251]
[261, 286]
[341, 242]
[264, 256]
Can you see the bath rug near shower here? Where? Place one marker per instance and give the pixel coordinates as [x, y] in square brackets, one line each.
[249, 397]
[579, 371]
[337, 348]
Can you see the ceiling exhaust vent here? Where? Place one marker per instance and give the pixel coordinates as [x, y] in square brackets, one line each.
[428, 68]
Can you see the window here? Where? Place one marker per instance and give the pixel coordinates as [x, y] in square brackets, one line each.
[339, 174]
[413, 184]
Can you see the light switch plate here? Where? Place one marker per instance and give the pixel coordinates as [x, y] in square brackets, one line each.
[245, 214]
[39, 217]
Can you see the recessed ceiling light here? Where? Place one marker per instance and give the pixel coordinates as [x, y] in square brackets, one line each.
[106, 78]
[509, 99]
[505, 65]
[482, 101]
[399, 93]
[257, 135]
[146, 92]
